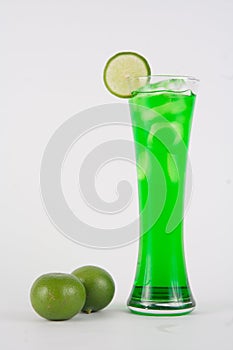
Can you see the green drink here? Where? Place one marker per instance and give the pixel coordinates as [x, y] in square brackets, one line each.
[161, 112]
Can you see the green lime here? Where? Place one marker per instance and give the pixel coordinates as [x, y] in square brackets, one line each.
[99, 287]
[119, 68]
[57, 296]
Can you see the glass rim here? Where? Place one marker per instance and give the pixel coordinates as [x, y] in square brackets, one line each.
[175, 76]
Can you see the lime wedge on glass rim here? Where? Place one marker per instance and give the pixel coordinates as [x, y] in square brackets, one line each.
[122, 66]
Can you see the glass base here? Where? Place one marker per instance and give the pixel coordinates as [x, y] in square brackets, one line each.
[161, 312]
[160, 301]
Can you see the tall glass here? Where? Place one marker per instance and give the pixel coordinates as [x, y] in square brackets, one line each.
[161, 110]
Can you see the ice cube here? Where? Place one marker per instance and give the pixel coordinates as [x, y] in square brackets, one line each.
[171, 108]
[143, 165]
[172, 168]
[175, 127]
[175, 84]
[178, 132]
[154, 129]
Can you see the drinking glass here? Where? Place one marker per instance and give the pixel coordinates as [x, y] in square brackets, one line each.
[161, 109]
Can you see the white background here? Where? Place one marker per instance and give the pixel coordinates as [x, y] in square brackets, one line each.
[52, 56]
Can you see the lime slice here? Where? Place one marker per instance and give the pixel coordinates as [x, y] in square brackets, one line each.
[119, 68]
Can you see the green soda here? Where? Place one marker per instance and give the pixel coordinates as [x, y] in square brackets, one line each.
[162, 119]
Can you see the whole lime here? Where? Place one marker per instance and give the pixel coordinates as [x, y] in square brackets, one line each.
[57, 296]
[99, 285]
